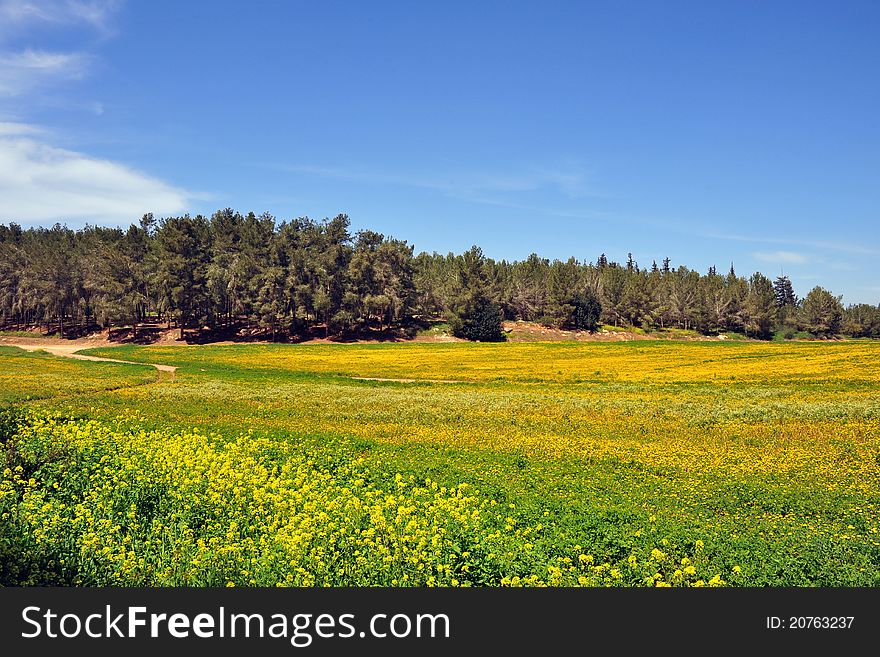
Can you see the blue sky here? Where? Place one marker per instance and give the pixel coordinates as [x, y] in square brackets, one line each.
[705, 132]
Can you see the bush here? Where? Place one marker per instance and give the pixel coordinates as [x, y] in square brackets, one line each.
[792, 334]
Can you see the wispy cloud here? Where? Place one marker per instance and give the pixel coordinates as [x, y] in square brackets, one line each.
[25, 69]
[572, 182]
[508, 189]
[9, 129]
[861, 249]
[22, 72]
[582, 214]
[781, 257]
[18, 14]
[40, 183]
[362, 176]
[97, 13]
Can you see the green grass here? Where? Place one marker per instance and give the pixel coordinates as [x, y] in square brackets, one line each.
[28, 334]
[676, 333]
[768, 454]
[440, 328]
[612, 328]
[32, 375]
[782, 336]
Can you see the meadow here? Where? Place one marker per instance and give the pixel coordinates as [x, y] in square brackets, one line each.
[645, 463]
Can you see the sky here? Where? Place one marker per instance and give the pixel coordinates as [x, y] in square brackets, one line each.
[707, 132]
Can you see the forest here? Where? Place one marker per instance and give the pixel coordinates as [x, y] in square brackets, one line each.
[290, 280]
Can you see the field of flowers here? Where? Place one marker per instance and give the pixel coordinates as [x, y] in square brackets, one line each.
[28, 375]
[624, 464]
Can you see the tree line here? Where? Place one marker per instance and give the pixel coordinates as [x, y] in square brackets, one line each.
[303, 277]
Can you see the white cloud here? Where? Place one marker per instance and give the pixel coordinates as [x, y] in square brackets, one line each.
[40, 184]
[862, 249]
[509, 189]
[96, 13]
[12, 129]
[784, 257]
[20, 72]
[465, 184]
[17, 14]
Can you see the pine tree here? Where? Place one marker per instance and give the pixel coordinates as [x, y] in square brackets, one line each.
[784, 292]
[760, 307]
[823, 312]
[586, 311]
[479, 319]
[302, 274]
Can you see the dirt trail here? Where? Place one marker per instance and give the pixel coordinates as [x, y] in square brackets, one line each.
[373, 378]
[69, 351]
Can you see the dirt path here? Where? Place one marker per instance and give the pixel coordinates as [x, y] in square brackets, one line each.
[373, 378]
[69, 351]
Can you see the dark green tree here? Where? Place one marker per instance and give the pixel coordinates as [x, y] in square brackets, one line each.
[784, 292]
[861, 321]
[760, 307]
[822, 312]
[182, 257]
[586, 311]
[478, 319]
[240, 271]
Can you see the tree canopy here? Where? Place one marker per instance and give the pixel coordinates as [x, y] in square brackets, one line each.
[302, 277]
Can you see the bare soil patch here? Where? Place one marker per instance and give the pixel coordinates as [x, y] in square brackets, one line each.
[375, 378]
